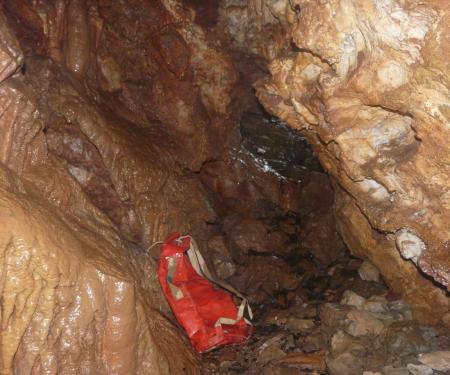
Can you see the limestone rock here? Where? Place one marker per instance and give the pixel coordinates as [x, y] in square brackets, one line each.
[87, 193]
[333, 317]
[419, 369]
[363, 323]
[348, 90]
[313, 342]
[352, 299]
[408, 337]
[346, 364]
[76, 279]
[299, 325]
[367, 271]
[439, 360]
[342, 342]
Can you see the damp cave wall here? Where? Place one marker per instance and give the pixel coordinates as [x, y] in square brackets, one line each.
[367, 83]
[112, 110]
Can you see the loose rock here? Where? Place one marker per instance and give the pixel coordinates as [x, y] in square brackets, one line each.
[363, 323]
[368, 272]
[419, 369]
[439, 360]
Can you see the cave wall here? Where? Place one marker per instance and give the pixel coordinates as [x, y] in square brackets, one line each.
[117, 119]
[100, 103]
[367, 82]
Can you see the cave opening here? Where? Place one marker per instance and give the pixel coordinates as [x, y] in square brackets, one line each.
[295, 140]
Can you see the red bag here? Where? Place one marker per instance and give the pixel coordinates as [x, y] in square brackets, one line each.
[208, 315]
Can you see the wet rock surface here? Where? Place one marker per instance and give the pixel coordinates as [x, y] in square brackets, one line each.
[346, 83]
[92, 175]
[125, 121]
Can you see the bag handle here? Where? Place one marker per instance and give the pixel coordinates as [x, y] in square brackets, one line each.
[200, 266]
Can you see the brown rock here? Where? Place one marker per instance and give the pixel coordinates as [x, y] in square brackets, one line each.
[222, 261]
[439, 360]
[263, 277]
[363, 323]
[342, 342]
[270, 350]
[254, 235]
[11, 55]
[407, 337]
[375, 138]
[74, 206]
[301, 326]
[332, 317]
[76, 278]
[313, 343]
[367, 271]
[276, 317]
[346, 364]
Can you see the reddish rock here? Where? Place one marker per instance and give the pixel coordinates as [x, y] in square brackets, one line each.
[263, 277]
[255, 235]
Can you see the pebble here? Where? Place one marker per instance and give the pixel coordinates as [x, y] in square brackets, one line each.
[271, 349]
[400, 310]
[342, 342]
[346, 364]
[333, 317]
[419, 369]
[350, 298]
[300, 325]
[376, 304]
[363, 323]
[368, 272]
[407, 337]
[439, 360]
[313, 343]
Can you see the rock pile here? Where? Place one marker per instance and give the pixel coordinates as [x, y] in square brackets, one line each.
[355, 326]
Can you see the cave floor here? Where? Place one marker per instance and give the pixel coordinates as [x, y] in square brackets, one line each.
[342, 320]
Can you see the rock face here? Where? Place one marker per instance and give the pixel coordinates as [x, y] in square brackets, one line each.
[367, 83]
[94, 167]
[119, 126]
[69, 295]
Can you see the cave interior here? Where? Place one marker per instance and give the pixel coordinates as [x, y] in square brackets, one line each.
[302, 143]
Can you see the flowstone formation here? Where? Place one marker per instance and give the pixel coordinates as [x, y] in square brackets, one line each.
[97, 148]
[367, 83]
